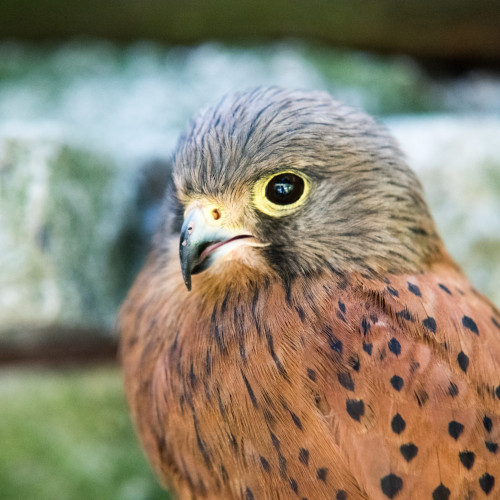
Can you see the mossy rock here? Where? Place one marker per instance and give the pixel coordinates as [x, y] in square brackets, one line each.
[62, 211]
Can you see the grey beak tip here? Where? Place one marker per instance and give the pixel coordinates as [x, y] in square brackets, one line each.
[186, 256]
[186, 273]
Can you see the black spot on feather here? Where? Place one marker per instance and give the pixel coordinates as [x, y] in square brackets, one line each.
[334, 343]
[355, 408]
[275, 441]
[304, 456]
[453, 389]
[467, 458]
[488, 424]
[394, 346]
[398, 424]
[354, 362]
[296, 420]
[365, 326]
[455, 429]
[321, 473]
[430, 324]
[470, 324]
[414, 289]
[397, 382]
[421, 396]
[391, 485]
[486, 482]
[493, 447]
[463, 361]
[405, 314]
[346, 381]
[441, 493]
[409, 451]
[265, 464]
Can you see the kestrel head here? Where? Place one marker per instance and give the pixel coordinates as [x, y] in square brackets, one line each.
[296, 182]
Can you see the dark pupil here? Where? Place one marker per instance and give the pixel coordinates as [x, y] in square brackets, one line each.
[285, 189]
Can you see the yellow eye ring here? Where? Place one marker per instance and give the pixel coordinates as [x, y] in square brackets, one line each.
[281, 193]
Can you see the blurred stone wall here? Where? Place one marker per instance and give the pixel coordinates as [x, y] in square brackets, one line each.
[61, 211]
[86, 130]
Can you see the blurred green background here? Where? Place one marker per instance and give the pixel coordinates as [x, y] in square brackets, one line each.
[89, 115]
[66, 434]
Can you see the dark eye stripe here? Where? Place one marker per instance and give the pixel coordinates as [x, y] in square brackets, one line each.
[285, 189]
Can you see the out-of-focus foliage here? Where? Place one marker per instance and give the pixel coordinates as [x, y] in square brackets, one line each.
[67, 435]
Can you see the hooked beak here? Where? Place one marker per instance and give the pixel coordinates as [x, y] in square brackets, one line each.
[200, 240]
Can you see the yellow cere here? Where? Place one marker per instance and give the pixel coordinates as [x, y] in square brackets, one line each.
[262, 203]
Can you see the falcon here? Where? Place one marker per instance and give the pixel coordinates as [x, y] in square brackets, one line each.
[299, 330]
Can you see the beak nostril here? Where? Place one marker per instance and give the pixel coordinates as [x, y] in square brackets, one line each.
[216, 214]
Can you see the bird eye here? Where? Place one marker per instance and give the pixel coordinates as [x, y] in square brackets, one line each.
[280, 194]
[285, 188]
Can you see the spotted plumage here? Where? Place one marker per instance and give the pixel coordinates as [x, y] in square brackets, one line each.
[329, 347]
